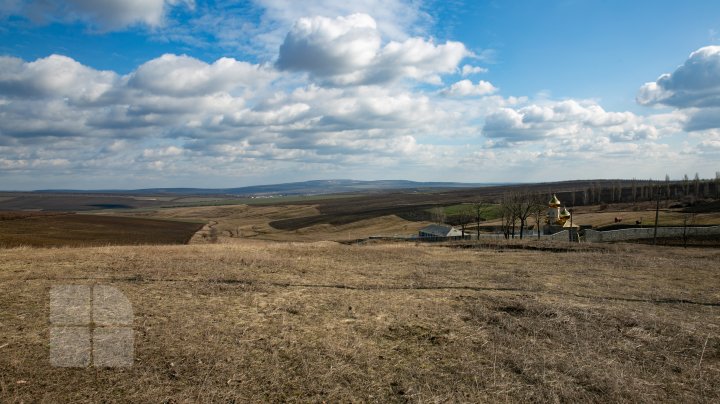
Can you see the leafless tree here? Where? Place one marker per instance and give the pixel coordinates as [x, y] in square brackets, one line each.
[477, 208]
[538, 217]
[519, 206]
[437, 215]
[509, 215]
[696, 185]
[462, 218]
[688, 220]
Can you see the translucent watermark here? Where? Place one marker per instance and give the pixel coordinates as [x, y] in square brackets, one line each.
[90, 325]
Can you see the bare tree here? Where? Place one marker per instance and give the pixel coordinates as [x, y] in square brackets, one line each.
[477, 208]
[667, 190]
[538, 217]
[688, 220]
[696, 185]
[520, 206]
[686, 185]
[509, 215]
[717, 184]
[462, 218]
[437, 215]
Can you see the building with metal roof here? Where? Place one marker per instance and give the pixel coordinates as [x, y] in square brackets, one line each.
[439, 230]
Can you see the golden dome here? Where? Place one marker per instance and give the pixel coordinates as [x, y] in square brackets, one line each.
[554, 202]
[564, 213]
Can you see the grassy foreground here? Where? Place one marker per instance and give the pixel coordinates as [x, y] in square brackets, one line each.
[261, 321]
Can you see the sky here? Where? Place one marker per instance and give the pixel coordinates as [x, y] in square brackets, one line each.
[126, 94]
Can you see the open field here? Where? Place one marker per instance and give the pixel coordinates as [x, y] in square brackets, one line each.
[241, 222]
[41, 229]
[300, 322]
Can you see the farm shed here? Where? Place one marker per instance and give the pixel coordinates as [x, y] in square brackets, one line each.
[439, 230]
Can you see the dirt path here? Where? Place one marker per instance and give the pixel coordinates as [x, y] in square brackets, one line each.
[202, 236]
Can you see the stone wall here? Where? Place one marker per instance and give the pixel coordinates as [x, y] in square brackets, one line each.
[561, 235]
[634, 234]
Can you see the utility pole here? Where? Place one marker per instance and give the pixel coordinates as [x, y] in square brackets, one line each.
[657, 213]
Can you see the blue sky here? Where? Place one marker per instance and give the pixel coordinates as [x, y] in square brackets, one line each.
[152, 93]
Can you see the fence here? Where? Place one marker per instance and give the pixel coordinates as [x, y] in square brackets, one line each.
[634, 234]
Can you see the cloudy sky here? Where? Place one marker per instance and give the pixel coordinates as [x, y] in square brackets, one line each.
[216, 93]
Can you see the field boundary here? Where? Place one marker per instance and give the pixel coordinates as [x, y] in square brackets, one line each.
[644, 233]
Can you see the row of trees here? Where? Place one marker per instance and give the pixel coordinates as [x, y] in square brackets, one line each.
[517, 209]
[521, 206]
[518, 206]
[635, 190]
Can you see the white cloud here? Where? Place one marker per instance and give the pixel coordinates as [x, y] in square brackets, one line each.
[694, 88]
[347, 51]
[568, 120]
[186, 119]
[694, 84]
[468, 70]
[55, 75]
[186, 76]
[260, 26]
[105, 15]
[395, 19]
[331, 47]
[466, 88]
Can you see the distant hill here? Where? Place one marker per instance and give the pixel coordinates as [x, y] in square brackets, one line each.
[316, 187]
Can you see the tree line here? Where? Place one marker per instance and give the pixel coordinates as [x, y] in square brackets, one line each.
[519, 206]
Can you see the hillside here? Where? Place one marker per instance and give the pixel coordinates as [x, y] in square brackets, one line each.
[264, 321]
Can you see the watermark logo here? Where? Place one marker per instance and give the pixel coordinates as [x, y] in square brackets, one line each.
[90, 325]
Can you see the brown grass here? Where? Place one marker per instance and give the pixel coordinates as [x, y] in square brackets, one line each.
[239, 223]
[263, 322]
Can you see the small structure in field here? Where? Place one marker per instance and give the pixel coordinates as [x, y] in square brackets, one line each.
[558, 219]
[439, 231]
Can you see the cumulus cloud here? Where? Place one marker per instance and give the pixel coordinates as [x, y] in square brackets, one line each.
[693, 88]
[196, 108]
[694, 84]
[464, 88]
[348, 51]
[330, 47]
[55, 75]
[227, 118]
[564, 120]
[263, 30]
[186, 76]
[105, 15]
[395, 19]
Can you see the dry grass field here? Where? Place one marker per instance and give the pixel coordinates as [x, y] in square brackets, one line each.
[238, 223]
[267, 322]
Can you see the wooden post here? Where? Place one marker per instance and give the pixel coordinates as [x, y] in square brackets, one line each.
[657, 214]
